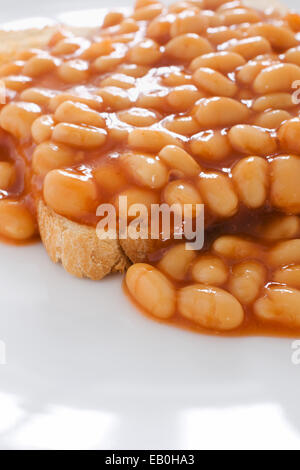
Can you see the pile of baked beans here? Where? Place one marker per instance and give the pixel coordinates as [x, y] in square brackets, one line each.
[189, 104]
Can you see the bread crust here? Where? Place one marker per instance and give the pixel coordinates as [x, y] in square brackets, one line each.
[77, 247]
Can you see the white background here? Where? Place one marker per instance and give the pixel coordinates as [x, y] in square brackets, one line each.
[86, 371]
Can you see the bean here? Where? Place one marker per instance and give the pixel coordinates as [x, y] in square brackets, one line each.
[70, 194]
[210, 307]
[16, 222]
[279, 305]
[247, 280]
[176, 261]
[211, 270]
[152, 290]
[251, 178]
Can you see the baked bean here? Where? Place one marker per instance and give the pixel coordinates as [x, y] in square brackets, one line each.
[42, 128]
[160, 27]
[188, 46]
[129, 25]
[224, 62]
[211, 146]
[78, 113]
[148, 12]
[40, 65]
[114, 98]
[213, 4]
[235, 248]
[106, 63]
[189, 22]
[135, 195]
[276, 78]
[210, 307]
[69, 194]
[16, 222]
[252, 140]
[182, 193]
[272, 119]
[40, 96]
[251, 178]
[145, 169]
[280, 227]
[248, 47]
[293, 56]
[230, 5]
[176, 261]
[180, 6]
[214, 82]
[246, 281]
[93, 101]
[152, 290]
[184, 125]
[74, 71]
[173, 79]
[67, 46]
[183, 97]
[109, 178]
[218, 193]
[285, 189]
[119, 80]
[209, 269]
[17, 118]
[248, 72]
[289, 275]
[138, 117]
[222, 35]
[49, 156]
[237, 16]
[100, 48]
[285, 252]
[59, 35]
[144, 3]
[151, 140]
[279, 37]
[293, 21]
[133, 70]
[79, 136]
[273, 101]
[146, 52]
[118, 134]
[279, 305]
[7, 175]
[113, 18]
[28, 53]
[213, 19]
[11, 68]
[179, 159]
[220, 112]
[17, 82]
[288, 135]
[155, 100]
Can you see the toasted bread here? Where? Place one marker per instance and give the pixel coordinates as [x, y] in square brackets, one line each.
[77, 247]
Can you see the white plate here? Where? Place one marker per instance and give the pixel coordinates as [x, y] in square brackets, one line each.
[84, 370]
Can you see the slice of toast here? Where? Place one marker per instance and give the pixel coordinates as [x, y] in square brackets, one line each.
[77, 247]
